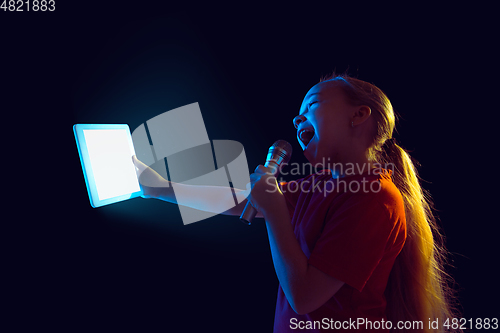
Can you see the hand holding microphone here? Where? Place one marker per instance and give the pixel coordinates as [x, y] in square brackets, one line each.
[278, 155]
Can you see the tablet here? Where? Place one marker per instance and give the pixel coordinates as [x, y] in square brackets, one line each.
[106, 154]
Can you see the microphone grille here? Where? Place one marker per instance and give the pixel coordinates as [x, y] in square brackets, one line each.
[283, 145]
[283, 148]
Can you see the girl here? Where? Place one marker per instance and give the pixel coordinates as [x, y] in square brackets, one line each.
[355, 246]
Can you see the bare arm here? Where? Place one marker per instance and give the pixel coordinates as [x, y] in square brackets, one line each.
[306, 287]
[206, 198]
[213, 199]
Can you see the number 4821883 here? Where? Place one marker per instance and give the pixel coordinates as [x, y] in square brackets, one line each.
[28, 5]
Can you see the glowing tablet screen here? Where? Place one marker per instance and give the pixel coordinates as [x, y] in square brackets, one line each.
[106, 154]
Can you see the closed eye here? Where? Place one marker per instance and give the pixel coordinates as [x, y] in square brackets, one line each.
[311, 103]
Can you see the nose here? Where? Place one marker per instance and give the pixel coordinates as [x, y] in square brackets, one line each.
[297, 120]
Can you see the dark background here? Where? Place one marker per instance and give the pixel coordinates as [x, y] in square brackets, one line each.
[133, 265]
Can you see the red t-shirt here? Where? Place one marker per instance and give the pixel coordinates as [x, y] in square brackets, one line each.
[352, 229]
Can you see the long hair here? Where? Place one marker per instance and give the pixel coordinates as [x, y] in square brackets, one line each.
[418, 288]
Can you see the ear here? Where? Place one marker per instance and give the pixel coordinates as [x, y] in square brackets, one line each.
[361, 114]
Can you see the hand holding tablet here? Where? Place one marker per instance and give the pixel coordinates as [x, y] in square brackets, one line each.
[106, 155]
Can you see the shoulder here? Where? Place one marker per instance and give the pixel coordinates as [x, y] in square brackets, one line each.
[373, 194]
[389, 195]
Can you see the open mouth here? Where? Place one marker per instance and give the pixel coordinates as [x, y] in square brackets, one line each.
[306, 135]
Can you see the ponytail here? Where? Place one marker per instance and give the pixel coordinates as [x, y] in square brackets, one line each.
[418, 286]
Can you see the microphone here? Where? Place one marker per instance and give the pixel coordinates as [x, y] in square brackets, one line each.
[279, 153]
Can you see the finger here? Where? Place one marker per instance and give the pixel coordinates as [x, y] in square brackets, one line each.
[254, 177]
[263, 170]
[138, 164]
[260, 169]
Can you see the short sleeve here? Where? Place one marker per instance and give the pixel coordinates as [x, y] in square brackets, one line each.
[354, 239]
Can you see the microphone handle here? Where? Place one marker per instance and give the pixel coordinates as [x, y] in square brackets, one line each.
[250, 212]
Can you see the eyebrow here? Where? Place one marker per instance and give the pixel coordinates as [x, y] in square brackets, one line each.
[314, 94]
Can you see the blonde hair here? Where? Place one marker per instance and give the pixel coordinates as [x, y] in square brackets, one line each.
[418, 288]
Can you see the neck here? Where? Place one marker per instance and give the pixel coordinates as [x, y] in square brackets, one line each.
[352, 165]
